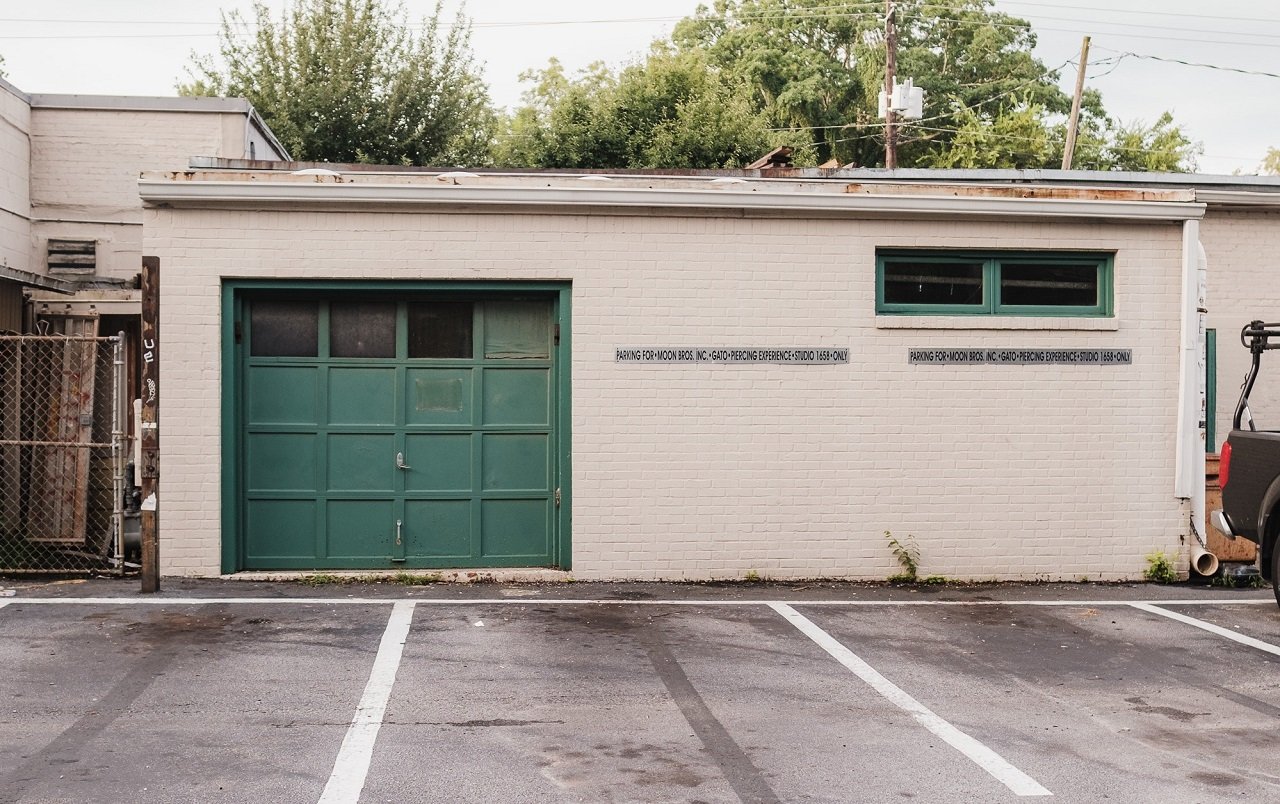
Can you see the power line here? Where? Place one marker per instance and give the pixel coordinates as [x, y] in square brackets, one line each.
[1147, 27]
[1139, 12]
[816, 12]
[988, 134]
[1126, 54]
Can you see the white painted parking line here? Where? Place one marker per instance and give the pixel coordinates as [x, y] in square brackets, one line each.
[991, 762]
[352, 765]
[551, 601]
[1210, 627]
[4, 603]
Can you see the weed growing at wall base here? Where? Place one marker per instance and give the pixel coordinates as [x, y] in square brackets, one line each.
[908, 555]
[1159, 568]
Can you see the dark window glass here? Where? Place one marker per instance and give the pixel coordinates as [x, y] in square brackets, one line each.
[1061, 285]
[440, 329]
[362, 329]
[908, 282]
[283, 329]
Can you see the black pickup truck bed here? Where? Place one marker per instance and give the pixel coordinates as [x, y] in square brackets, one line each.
[1249, 470]
[1253, 480]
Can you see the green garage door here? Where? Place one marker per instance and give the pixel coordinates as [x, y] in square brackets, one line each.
[381, 432]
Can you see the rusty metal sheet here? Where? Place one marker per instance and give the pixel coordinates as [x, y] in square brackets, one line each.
[1022, 191]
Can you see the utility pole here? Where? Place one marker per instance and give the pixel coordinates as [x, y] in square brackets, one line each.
[1075, 106]
[150, 435]
[890, 68]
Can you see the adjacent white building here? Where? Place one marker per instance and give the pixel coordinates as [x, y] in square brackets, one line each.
[70, 217]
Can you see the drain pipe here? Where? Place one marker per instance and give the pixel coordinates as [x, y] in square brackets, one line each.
[1189, 454]
[117, 445]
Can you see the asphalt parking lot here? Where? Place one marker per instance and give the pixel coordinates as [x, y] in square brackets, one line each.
[217, 691]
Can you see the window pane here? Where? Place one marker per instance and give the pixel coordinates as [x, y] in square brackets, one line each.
[362, 329]
[517, 329]
[283, 329]
[1061, 285]
[907, 282]
[440, 329]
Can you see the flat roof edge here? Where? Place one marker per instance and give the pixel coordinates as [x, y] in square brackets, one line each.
[221, 193]
[133, 103]
[14, 91]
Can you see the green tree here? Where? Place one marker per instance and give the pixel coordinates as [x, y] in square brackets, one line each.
[1159, 146]
[671, 110]
[346, 81]
[1270, 163]
[808, 73]
[819, 64]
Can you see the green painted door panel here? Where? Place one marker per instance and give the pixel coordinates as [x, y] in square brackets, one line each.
[438, 529]
[282, 394]
[362, 395]
[439, 396]
[408, 449]
[280, 462]
[441, 462]
[515, 528]
[362, 462]
[517, 396]
[279, 531]
[360, 529]
[515, 462]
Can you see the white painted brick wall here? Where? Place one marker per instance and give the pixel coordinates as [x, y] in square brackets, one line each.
[1244, 284]
[85, 167]
[15, 180]
[708, 471]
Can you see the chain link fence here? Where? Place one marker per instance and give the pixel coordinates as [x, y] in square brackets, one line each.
[63, 454]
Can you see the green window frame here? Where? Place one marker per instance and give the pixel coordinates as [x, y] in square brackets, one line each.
[988, 269]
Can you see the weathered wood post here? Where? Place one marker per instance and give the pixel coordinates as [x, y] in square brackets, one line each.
[150, 435]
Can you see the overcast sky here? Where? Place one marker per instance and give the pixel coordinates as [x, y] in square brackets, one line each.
[141, 47]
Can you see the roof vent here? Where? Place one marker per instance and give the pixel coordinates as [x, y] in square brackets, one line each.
[73, 256]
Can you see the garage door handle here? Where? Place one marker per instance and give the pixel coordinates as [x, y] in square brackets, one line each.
[400, 464]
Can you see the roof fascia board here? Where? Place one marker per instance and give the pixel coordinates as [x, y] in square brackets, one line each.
[1238, 198]
[216, 193]
[141, 104]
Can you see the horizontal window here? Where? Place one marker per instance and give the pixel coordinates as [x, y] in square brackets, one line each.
[993, 283]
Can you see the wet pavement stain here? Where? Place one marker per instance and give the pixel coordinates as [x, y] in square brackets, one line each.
[1215, 779]
[1140, 705]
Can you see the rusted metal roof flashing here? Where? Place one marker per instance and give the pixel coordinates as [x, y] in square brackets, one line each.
[1027, 191]
[455, 191]
[858, 175]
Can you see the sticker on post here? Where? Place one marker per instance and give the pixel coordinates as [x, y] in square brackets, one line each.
[149, 504]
